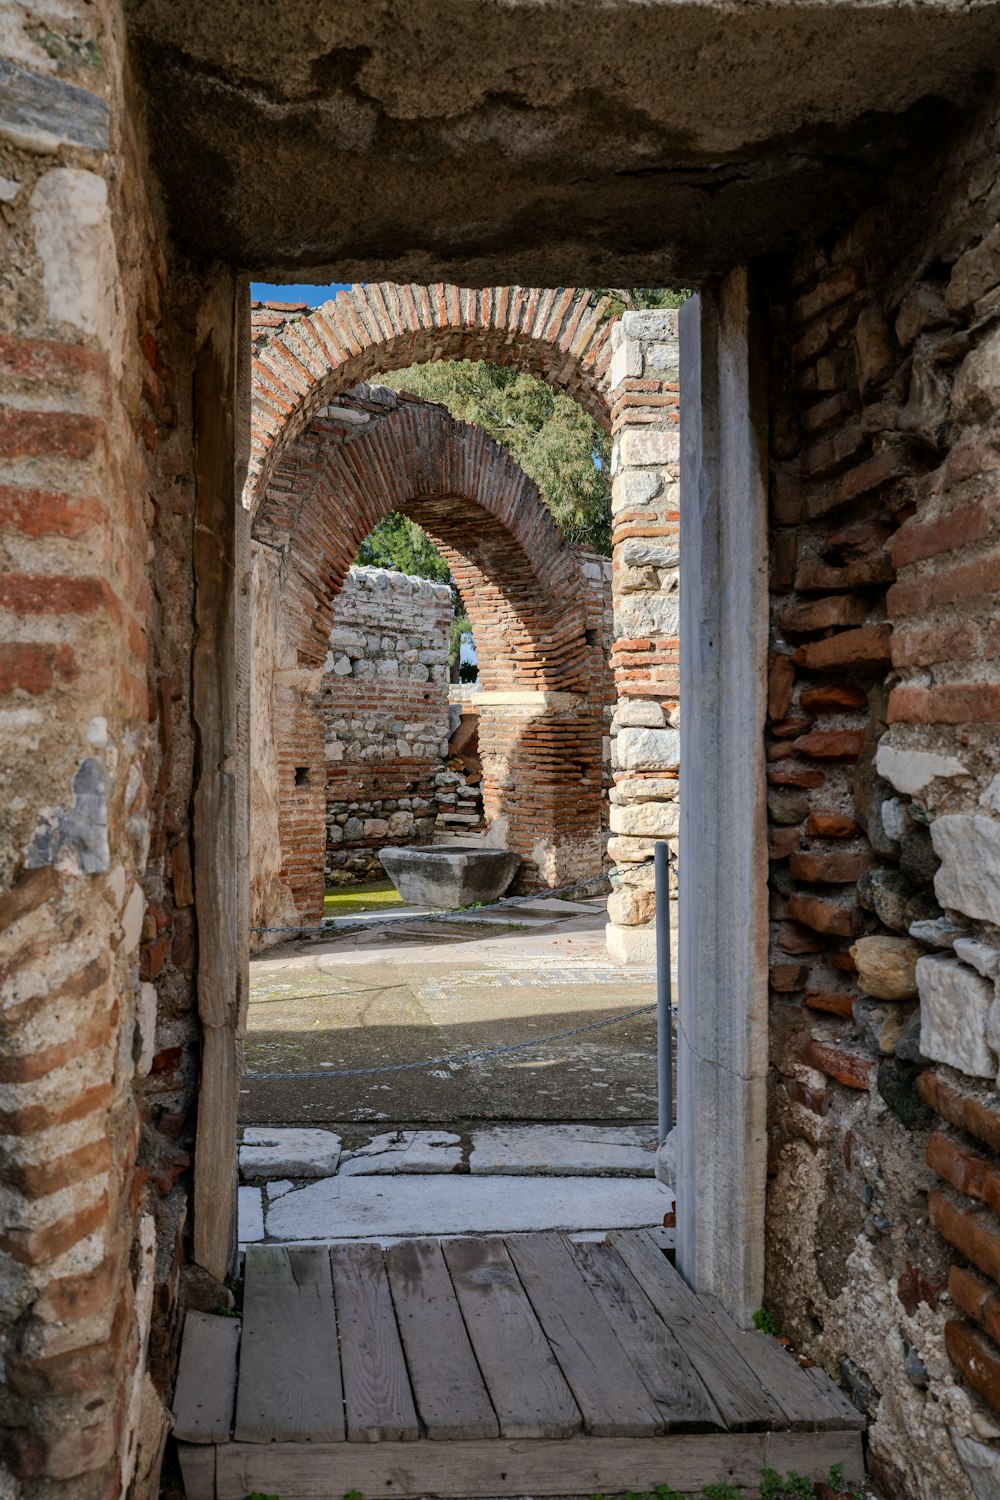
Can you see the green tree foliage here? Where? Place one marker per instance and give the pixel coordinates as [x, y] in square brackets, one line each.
[398, 542]
[552, 438]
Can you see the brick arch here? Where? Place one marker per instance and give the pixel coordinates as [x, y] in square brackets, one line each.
[525, 593]
[555, 334]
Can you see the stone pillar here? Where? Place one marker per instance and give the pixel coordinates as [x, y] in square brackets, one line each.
[645, 736]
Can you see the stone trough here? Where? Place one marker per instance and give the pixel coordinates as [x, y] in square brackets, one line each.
[446, 876]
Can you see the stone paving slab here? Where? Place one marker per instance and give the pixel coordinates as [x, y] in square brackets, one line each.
[370, 1208]
[397, 1151]
[277, 1152]
[564, 1150]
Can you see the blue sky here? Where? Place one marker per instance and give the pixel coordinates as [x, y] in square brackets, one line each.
[262, 291]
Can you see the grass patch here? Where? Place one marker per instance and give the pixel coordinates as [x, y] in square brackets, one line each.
[372, 895]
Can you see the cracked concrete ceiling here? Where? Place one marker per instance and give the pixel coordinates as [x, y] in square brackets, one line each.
[542, 141]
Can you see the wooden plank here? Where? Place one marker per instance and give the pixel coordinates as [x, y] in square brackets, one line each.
[782, 1377]
[499, 1466]
[448, 1389]
[525, 1383]
[611, 1397]
[656, 1356]
[830, 1393]
[197, 1469]
[290, 1384]
[376, 1386]
[206, 1379]
[736, 1391]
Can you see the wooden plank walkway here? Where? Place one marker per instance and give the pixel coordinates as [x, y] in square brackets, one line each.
[521, 1365]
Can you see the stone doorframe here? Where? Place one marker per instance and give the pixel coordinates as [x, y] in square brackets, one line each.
[722, 1023]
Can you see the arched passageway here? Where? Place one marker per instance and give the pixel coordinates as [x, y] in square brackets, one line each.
[531, 607]
[300, 363]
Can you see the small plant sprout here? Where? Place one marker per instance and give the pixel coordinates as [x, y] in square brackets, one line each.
[764, 1321]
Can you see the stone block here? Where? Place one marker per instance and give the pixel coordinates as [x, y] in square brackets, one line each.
[269, 1152]
[639, 447]
[887, 966]
[649, 749]
[955, 1015]
[968, 846]
[631, 945]
[404, 1151]
[910, 771]
[639, 713]
[657, 820]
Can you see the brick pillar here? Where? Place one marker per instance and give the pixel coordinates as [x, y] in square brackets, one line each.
[645, 571]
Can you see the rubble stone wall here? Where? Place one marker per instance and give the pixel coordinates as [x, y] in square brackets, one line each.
[884, 704]
[385, 707]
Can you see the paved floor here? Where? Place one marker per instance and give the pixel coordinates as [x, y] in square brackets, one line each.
[430, 993]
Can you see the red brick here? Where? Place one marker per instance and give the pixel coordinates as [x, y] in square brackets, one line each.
[916, 539]
[967, 580]
[46, 434]
[830, 825]
[968, 703]
[964, 1107]
[976, 1357]
[923, 646]
[965, 1169]
[33, 1247]
[973, 1232]
[795, 776]
[976, 1297]
[37, 513]
[55, 594]
[818, 1101]
[49, 361]
[33, 669]
[825, 916]
[831, 744]
[783, 842]
[832, 867]
[791, 938]
[823, 614]
[868, 646]
[833, 698]
[39, 1179]
[834, 1002]
[848, 1068]
[780, 677]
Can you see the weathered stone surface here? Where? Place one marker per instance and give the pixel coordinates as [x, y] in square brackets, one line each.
[649, 749]
[250, 1215]
[563, 1151]
[954, 1015]
[447, 876]
[271, 1153]
[887, 967]
[894, 899]
[940, 932]
[968, 846]
[399, 1151]
[638, 713]
[659, 820]
[981, 956]
[45, 113]
[910, 771]
[787, 807]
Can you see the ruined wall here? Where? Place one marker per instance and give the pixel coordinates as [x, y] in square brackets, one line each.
[883, 1241]
[385, 707]
[97, 1034]
[645, 740]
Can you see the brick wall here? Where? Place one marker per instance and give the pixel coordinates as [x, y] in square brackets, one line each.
[537, 608]
[884, 827]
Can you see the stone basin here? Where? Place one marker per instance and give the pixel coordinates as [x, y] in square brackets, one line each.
[449, 875]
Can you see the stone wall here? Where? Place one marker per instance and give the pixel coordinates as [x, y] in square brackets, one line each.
[884, 704]
[645, 740]
[385, 705]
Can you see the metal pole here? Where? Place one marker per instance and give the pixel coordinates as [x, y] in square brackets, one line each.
[664, 1032]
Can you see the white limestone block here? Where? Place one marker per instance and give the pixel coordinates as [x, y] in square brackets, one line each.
[968, 846]
[278, 1152]
[910, 771]
[563, 1151]
[981, 956]
[638, 713]
[399, 1151]
[649, 749]
[954, 1016]
[658, 820]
